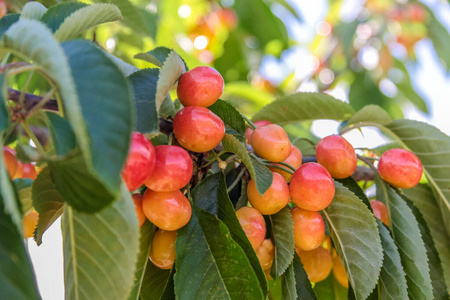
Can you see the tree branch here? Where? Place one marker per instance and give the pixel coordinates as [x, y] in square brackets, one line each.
[31, 100]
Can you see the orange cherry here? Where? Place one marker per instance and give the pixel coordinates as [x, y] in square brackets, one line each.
[271, 142]
[295, 160]
[162, 251]
[9, 157]
[273, 200]
[380, 211]
[317, 263]
[337, 156]
[400, 168]
[249, 130]
[339, 271]
[309, 228]
[265, 254]
[253, 224]
[137, 199]
[30, 221]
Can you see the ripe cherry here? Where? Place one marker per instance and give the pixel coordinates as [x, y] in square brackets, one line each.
[337, 156]
[317, 263]
[380, 211]
[140, 161]
[309, 229]
[198, 129]
[19, 170]
[201, 86]
[30, 221]
[28, 171]
[162, 251]
[137, 199]
[173, 169]
[273, 200]
[312, 187]
[400, 168]
[9, 157]
[167, 210]
[271, 142]
[249, 130]
[265, 254]
[253, 224]
[339, 271]
[295, 160]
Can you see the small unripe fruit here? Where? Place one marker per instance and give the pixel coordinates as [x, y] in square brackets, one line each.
[201, 86]
[137, 199]
[380, 211]
[294, 160]
[337, 156]
[253, 224]
[273, 200]
[271, 142]
[166, 210]
[9, 158]
[312, 187]
[162, 251]
[249, 130]
[28, 171]
[309, 229]
[265, 254]
[339, 272]
[317, 263]
[173, 169]
[30, 221]
[140, 161]
[198, 129]
[400, 168]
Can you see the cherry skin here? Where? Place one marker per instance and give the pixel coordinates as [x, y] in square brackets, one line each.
[265, 254]
[198, 129]
[400, 168]
[9, 157]
[339, 271]
[271, 142]
[249, 130]
[295, 160]
[337, 156]
[201, 86]
[273, 200]
[317, 263]
[30, 221]
[19, 170]
[28, 171]
[173, 169]
[309, 229]
[253, 224]
[380, 211]
[162, 251]
[140, 161]
[167, 210]
[137, 199]
[312, 187]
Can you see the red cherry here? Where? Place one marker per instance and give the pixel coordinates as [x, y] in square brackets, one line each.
[28, 171]
[337, 156]
[400, 168]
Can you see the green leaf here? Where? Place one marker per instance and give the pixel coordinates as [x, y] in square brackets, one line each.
[440, 38]
[33, 11]
[370, 114]
[423, 198]
[282, 232]
[172, 68]
[355, 236]
[305, 107]
[330, 289]
[261, 174]
[100, 250]
[144, 85]
[4, 115]
[156, 283]
[392, 277]
[7, 21]
[288, 288]
[204, 195]
[56, 14]
[210, 264]
[124, 67]
[142, 264]
[23, 189]
[101, 87]
[156, 56]
[85, 18]
[16, 275]
[227, 214]
[61, 133]
[167, 108]
[406, 233]
[229, 115]
[302, 283]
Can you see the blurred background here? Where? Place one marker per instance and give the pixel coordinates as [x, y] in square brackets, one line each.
[395, 54]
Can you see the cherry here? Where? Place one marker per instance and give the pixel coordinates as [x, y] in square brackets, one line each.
[309, 228]
[166, 210]
[253, 224]
[271, 142]
[198, 129]
[137, 199]
[312, 187]
[337, 156]
[19, 170]
[173, 169]
[140, 161]
[249, 130]
[201, 86]
[400, 168]
[162, 251]
[317, 263]
[265, 254]
[28, 171]
[295, 160]
[339, 271]
[9, 157]
[273, 200]
[30, 221]
[380, 211]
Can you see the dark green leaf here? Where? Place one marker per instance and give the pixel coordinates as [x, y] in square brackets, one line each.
[370, 114]
[353, 186]
[227, 214]
[47, 201]
[305, 107]
[167, 108]
[56, 14]
[302, 283]
[155, 282]
[7, 21]
[356, 239]
[62, 135]
[288, 289]
[23, 189]
[204, 194]
[156, 56]
[229, 115]
[4, 116]
[282, 232]
[330, 289]
[144, 86]
[210, 264]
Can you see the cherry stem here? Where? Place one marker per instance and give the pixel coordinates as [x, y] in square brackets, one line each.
[33, 137]
[248, 121]
[279, 163]
[279, 167]
[304, 139]
[368, 162]
[236, 181]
